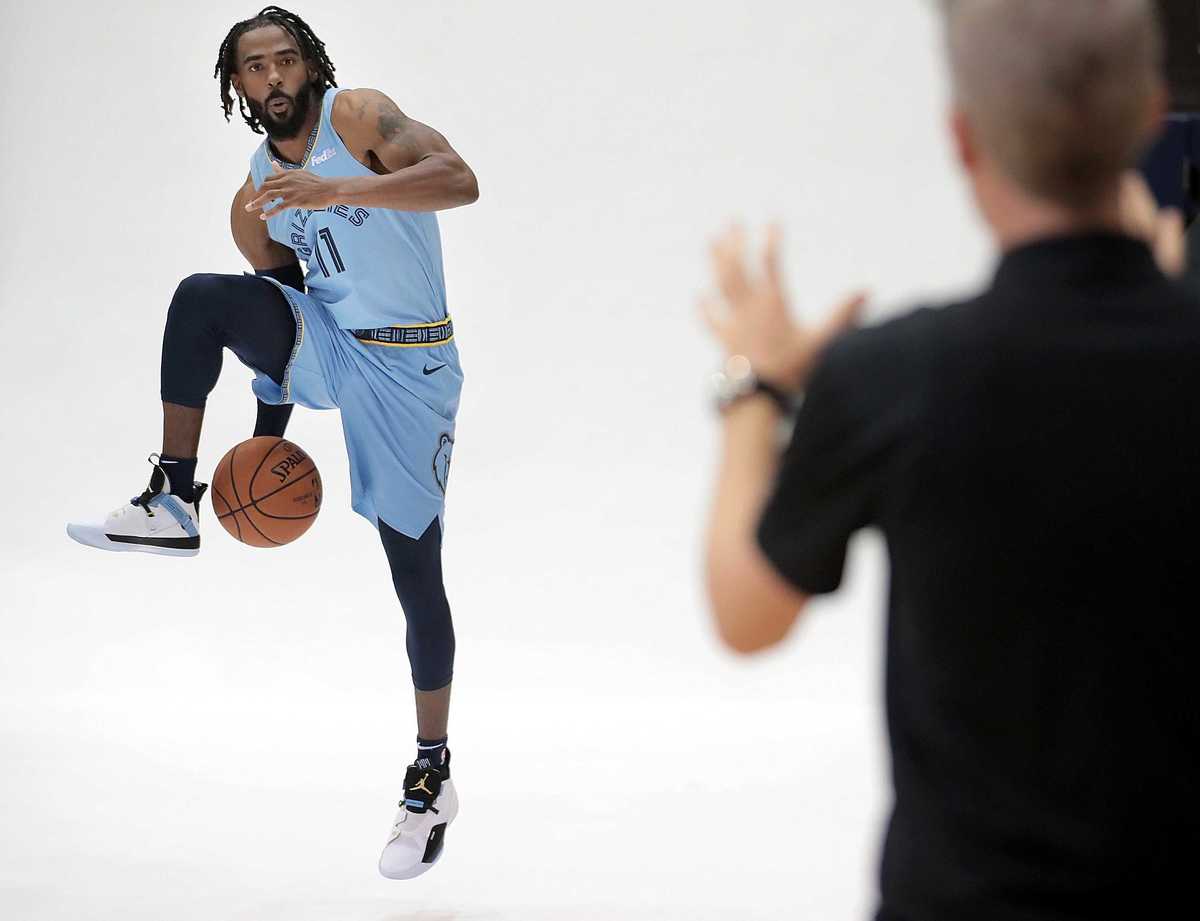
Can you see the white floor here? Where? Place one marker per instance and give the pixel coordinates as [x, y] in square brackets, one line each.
[209, 750]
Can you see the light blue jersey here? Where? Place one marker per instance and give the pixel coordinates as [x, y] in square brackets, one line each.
[373, 339]
[370, 267]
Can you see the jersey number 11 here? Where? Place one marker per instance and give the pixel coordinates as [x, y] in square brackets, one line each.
[326, 235]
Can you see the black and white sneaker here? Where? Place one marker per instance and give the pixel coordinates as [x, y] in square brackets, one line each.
[154, 522]
[430, 804]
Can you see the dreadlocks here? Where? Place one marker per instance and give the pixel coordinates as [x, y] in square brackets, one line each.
[312, 49]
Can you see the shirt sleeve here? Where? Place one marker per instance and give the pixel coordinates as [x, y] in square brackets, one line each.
[833, 471]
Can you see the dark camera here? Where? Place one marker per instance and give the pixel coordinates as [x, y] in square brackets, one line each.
[1172, 166]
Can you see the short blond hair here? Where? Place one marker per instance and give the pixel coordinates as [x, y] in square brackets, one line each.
[1057, 91]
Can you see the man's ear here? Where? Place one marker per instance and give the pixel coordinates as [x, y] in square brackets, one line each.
[963, 136]
[236, 82]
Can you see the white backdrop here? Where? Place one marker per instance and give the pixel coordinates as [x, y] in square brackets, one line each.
[224, 737]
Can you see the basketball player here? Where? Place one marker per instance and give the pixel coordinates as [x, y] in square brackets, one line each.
[1031, 456]
[346, 308]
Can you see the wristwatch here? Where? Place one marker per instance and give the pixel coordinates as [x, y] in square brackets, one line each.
[737, 381]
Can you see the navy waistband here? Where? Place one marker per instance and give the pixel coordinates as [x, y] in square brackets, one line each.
[422, 334]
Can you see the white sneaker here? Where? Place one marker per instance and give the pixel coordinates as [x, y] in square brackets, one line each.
[430, 804]
[154, 522]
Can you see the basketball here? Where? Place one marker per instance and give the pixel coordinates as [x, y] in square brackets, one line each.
[266, 491]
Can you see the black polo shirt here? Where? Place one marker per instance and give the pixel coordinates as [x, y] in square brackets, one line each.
[1032, 458]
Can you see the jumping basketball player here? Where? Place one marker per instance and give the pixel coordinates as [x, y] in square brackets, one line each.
[346, 185]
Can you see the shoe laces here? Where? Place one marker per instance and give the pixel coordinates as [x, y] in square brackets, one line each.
[148, 493]
[144, 501]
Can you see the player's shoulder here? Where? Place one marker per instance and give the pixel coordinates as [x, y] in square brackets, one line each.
[359, 105]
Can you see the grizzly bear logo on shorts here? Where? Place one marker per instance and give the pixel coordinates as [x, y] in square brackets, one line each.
[441, 461]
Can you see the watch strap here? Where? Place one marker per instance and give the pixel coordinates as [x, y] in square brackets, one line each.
[785, 403]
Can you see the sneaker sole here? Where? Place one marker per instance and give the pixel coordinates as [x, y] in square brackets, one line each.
[94, 537]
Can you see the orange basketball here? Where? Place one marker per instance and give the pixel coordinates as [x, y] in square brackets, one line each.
[266, 491]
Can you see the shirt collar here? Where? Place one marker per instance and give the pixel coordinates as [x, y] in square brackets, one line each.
[1103, 257]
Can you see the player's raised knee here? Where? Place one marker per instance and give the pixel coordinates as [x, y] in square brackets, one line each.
[197, 288]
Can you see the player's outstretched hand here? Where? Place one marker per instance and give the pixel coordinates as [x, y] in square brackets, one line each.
[751, 315]
[297, 188]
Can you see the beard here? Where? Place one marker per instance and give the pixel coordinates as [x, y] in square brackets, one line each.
[283, 129]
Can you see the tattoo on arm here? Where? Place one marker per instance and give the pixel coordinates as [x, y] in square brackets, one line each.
[391, 121]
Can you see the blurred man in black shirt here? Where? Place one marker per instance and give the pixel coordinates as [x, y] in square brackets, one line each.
[1032, 457]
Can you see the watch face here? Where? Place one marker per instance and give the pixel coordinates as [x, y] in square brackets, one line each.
[734, 382]
[737, 367]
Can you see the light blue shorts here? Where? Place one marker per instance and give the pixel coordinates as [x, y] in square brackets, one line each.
[398, 402]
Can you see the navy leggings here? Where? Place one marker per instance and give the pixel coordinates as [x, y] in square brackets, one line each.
[417, 575]
[251, 318]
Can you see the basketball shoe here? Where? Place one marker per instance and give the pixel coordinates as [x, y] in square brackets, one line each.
[430, 804]
[154, 522]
